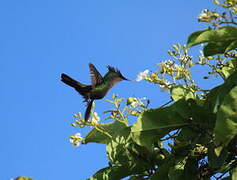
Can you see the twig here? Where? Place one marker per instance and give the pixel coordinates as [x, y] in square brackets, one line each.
[165, 104]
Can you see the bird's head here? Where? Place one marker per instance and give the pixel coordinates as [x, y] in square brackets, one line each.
[116, 73]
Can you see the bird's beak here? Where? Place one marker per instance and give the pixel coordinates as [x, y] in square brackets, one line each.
[127, 79]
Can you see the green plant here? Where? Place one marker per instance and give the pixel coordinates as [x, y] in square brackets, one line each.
[192, 136]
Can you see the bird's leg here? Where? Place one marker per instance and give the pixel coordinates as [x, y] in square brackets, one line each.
[88, 109]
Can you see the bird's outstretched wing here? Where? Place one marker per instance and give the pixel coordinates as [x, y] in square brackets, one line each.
[96, 77]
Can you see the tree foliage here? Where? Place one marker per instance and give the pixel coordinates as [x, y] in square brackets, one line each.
[194, 135]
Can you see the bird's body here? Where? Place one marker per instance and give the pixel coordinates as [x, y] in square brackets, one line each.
[99, 87]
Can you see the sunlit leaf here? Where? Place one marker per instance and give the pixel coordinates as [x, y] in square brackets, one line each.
[156, 123]
[219, 41]
[104, 132]
[109, 173]
[180, 92]
[229, 68]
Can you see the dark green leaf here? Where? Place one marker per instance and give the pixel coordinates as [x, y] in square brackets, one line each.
[173, 168]
[232, 45]
[227, 178]
[213, 48]
[217, 95]
[162, 171]
[136, 178]
[191, 169]
[177, 171]
[226, 124]
[214, 160]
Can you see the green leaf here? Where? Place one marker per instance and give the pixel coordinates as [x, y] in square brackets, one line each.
[226, 123]
[156, 123]
[172, 169]
[109, 173]
[213, 48]
[219, 41]
[180, 92]
[136, 178]
[217, 94]
[197, 37]
[104, 132]
[116, 150]
[177, 171]
[191, 168]
[227, 178]
[214, 160]
[229, 68]
[171, 118]
[232, 45]
[163, 170]
[122, 151]
[183, 143]
[234, 174]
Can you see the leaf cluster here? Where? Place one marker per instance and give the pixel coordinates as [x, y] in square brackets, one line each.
[195, 136]
[194, 129]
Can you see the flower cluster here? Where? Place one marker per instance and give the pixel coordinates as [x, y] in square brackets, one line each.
[174, 70]
[94, 119]
[142, 75]
[76, 139]
[136, 102]
[208, 16]
[80, 122]
[170, 71]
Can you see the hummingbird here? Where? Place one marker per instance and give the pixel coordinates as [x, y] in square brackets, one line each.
[99, 85]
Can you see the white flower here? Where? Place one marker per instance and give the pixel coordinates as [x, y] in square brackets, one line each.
[95, 119]
[77, 135]
[137, 102]
[142, 75]
[164, 65]
[76, 139]
[201, 59]
[204, 16]
[134, 104]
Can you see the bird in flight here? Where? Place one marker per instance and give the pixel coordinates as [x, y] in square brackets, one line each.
[99, 85]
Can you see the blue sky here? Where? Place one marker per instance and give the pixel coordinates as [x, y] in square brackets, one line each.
[42, 39]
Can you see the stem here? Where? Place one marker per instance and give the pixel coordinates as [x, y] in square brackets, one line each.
[165, 104]
[100, 128]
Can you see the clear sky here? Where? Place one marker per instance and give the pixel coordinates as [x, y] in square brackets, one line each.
[40, 39]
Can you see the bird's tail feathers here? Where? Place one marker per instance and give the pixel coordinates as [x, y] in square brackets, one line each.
[69, 81]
